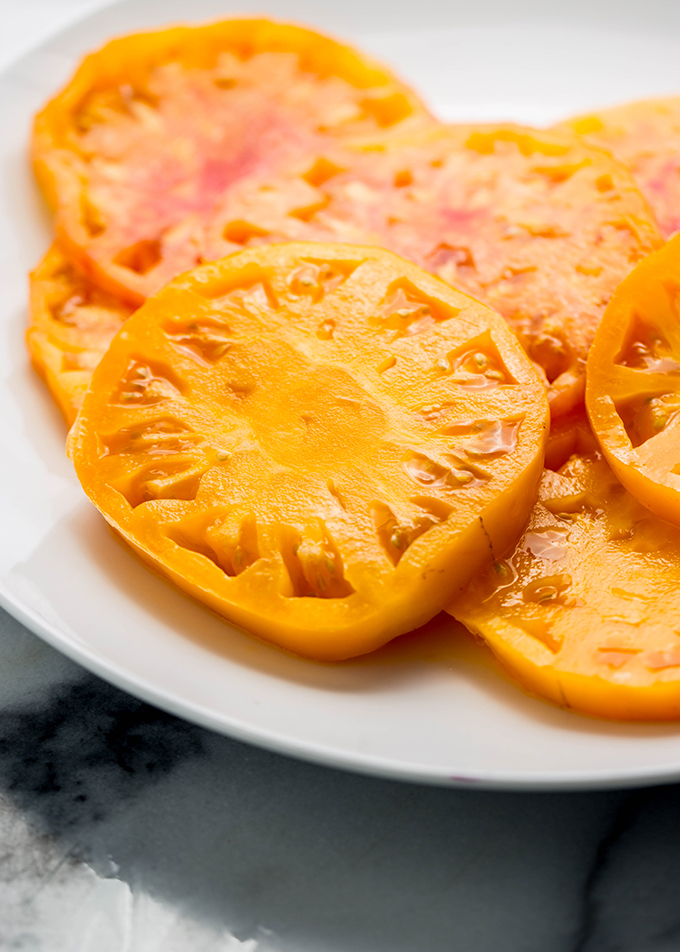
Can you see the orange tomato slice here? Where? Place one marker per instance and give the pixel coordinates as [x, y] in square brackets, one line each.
[321, 443]
[155, 127]
[538, 225]
[633, 382]
[71, 325]
[646, 136]
[585, 611]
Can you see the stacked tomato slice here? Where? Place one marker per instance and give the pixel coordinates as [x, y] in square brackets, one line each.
[633, 393]
[646, 136]
[72, 324]
[154, 129]
[321, 442]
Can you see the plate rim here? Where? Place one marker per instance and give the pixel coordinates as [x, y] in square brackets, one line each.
[369, 765]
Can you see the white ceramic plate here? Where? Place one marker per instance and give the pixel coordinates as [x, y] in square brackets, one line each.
[434, 709]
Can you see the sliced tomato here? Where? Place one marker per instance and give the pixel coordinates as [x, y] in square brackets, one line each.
[72, 323]
[585, 611]
[646, 136]
[154, 128]
[320, 442]
[633, 382]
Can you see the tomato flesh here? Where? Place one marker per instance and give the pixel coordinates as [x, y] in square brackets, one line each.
[633, 382]
[646, 136]
[585, 611]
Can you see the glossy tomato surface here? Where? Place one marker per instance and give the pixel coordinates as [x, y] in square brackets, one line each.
[585, 610]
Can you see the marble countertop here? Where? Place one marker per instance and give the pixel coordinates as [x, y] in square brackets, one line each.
[124, 829]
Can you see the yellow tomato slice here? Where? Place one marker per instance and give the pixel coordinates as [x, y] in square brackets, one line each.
[646, 136]
[322, 443]
[586, 610]
[155, 127]
[633, 382]
[71, 324]
[540, 226]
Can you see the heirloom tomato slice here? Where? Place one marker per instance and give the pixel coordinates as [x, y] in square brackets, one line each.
[322, 443]
[538, 225]
[633, 382]
[586, 610]
[154, 128]
[72, 323]
[646, 136]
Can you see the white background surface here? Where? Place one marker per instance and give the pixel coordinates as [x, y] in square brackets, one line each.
[26, 22]
[451, 721]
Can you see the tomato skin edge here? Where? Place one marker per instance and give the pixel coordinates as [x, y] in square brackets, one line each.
[320, 645]
[589, 695]
[655, 494]
[447, 577]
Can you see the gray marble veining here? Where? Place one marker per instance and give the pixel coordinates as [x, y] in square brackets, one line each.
[126, 829]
